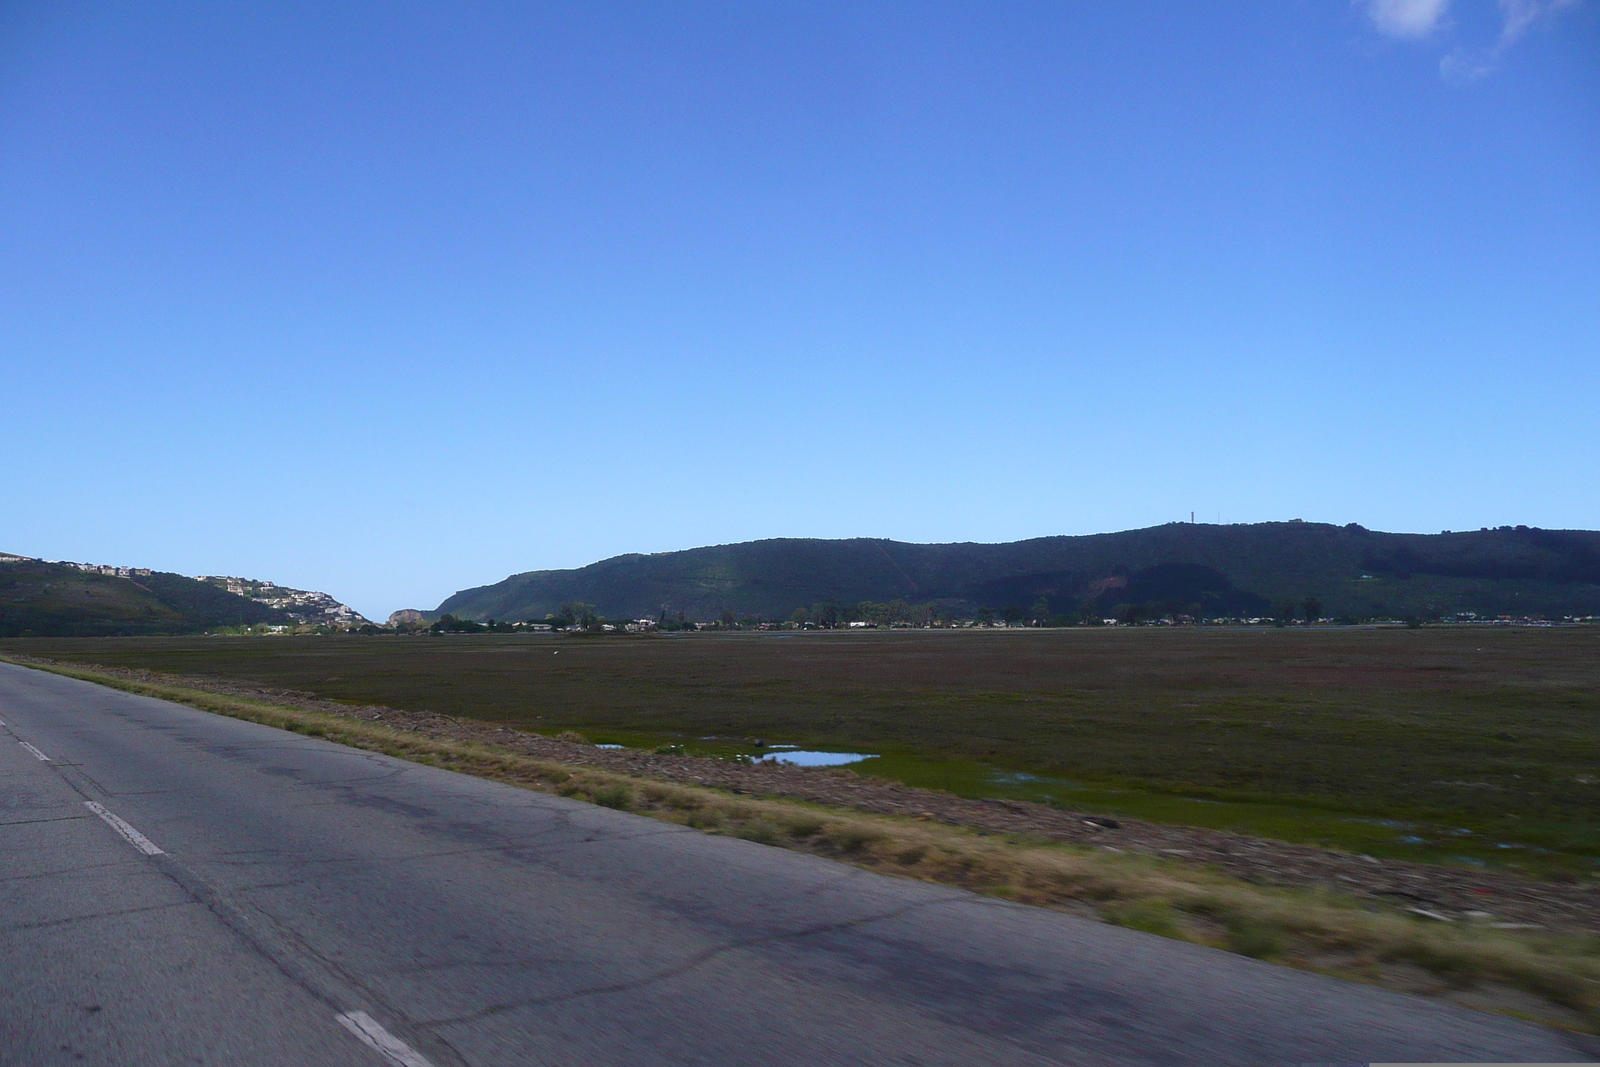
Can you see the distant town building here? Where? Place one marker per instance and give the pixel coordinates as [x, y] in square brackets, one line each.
[88, 568]
[303, 605]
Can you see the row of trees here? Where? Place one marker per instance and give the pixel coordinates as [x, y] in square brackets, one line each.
[1093, 612]
[827, 614]
[1088, 613]
[830, 615]
[449, 624]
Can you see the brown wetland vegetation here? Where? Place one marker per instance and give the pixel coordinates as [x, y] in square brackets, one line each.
[1469, 744]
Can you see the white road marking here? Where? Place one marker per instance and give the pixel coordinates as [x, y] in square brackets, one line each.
[35, 751]
[129, 834]
[374, 1036]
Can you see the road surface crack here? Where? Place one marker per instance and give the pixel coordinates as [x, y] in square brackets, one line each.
[697, 960]
[60, 872]
[91, 917]
[53, 818]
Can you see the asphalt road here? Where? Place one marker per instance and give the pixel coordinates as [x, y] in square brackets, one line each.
[182, 888]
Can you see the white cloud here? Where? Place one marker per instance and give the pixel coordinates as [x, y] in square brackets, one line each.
[1518, 15]
[1410, 19]
[1515, 18]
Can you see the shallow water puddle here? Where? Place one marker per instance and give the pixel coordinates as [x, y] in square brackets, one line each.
[805, 758]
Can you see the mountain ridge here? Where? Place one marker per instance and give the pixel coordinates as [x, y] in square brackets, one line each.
[1237, 569]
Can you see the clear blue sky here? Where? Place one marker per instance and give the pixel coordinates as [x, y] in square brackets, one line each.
[394, 299]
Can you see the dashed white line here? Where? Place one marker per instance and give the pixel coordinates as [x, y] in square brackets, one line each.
[129, 834]
[35, 751]
[372, 1034]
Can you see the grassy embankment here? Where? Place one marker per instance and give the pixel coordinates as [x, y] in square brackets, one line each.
[1546, 977]
[1468, 746]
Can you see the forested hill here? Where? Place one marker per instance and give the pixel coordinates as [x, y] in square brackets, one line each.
[62, 600]
[1238, 570]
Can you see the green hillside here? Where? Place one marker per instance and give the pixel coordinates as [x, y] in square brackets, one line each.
[1241, 570]
[59, 600]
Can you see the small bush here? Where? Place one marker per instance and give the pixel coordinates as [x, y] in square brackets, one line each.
[1150, 916]
[1251, 937]
[804, 827]
[616, 796]
[852, 839]
[760, 832]
[911, 856]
